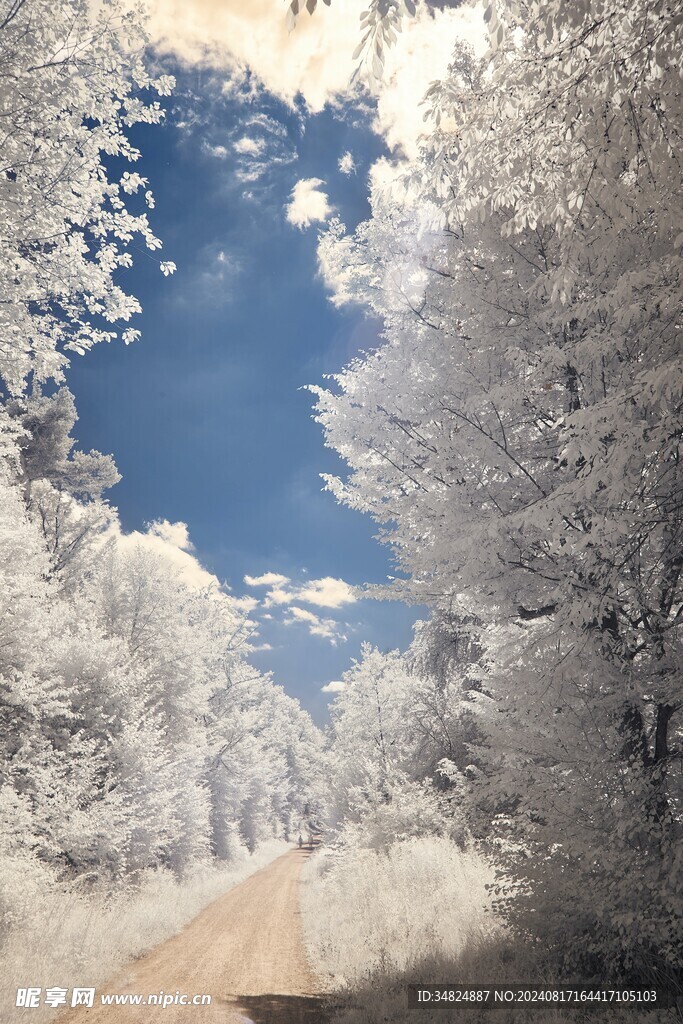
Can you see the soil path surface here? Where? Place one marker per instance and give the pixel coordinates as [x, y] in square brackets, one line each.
[245, 950]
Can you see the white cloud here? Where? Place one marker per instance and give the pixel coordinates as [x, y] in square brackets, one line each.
[302, 615]
[247, 145]
[269, 579]
[170, 542]
[308, 203]
[336, 686]
[211, 279]
[328, 629]
[278, 595]
[326, 592]
[262, 146]
[284, 598]
[347, 165]
[268, 124]
[218, 151]
[176, 534]
[252, 149]
[315, 60]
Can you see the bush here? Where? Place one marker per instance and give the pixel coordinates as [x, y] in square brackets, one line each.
[367, 910]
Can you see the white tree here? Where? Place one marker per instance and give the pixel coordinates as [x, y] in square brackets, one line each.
[391, 732]
[71, 84]
[265, 761]
[61, 703]
[55, 477]
[121, 743]
[518, 433]
[111, 666]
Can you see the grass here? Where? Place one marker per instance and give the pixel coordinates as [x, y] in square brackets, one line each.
[381, 997]
[60, 937]
[368, 910]
[420, 913]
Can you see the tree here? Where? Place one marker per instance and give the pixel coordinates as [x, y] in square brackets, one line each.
[112, 668]
[71, 85]
[55, 477]
[395, 751]
[518, 435]
[134, 733]
[47, 446]
[266, 759]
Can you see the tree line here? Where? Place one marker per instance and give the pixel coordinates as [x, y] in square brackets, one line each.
[516, 434]
[134, 733]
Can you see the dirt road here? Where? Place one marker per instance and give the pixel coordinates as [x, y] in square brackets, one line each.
[245, 950]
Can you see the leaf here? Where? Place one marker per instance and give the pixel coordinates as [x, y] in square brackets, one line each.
[355, 76]
[361, 46]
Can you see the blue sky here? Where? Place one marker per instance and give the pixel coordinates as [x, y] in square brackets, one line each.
[206, 415]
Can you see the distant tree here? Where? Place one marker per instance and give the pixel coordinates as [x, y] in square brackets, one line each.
[265, 761]
[392, 730]
[121, 748]
[54, 476]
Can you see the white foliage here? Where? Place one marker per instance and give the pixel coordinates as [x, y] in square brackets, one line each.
[74, 82]
[134, 733]
[517, 436]
[364, 910]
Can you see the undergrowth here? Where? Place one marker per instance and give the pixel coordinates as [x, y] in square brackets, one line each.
[419, 913]
[62, 937]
